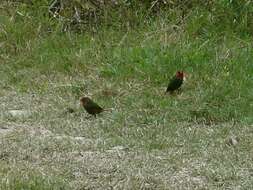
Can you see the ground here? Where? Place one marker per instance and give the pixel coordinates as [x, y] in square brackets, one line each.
[148, 140]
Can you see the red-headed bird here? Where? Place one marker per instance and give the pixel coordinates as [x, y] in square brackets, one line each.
[90, 106]
[175, 82]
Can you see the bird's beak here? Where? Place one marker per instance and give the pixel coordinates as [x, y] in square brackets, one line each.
[184, 78]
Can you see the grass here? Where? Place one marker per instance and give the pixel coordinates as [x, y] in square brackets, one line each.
[149, 140]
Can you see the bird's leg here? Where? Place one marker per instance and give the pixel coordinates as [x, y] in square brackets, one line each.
[169, 92]
[179, 91]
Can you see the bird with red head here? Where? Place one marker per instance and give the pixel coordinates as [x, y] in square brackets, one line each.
[175, 82]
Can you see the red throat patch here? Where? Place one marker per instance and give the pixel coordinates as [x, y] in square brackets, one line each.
[180, 74]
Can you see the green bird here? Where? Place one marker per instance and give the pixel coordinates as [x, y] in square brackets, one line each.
[175, 82]
[90, 106]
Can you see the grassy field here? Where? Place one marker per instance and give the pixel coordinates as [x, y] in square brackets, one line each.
[149, 140]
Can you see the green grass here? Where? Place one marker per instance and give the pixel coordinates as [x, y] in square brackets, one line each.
[25, 178]
[169, 142]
